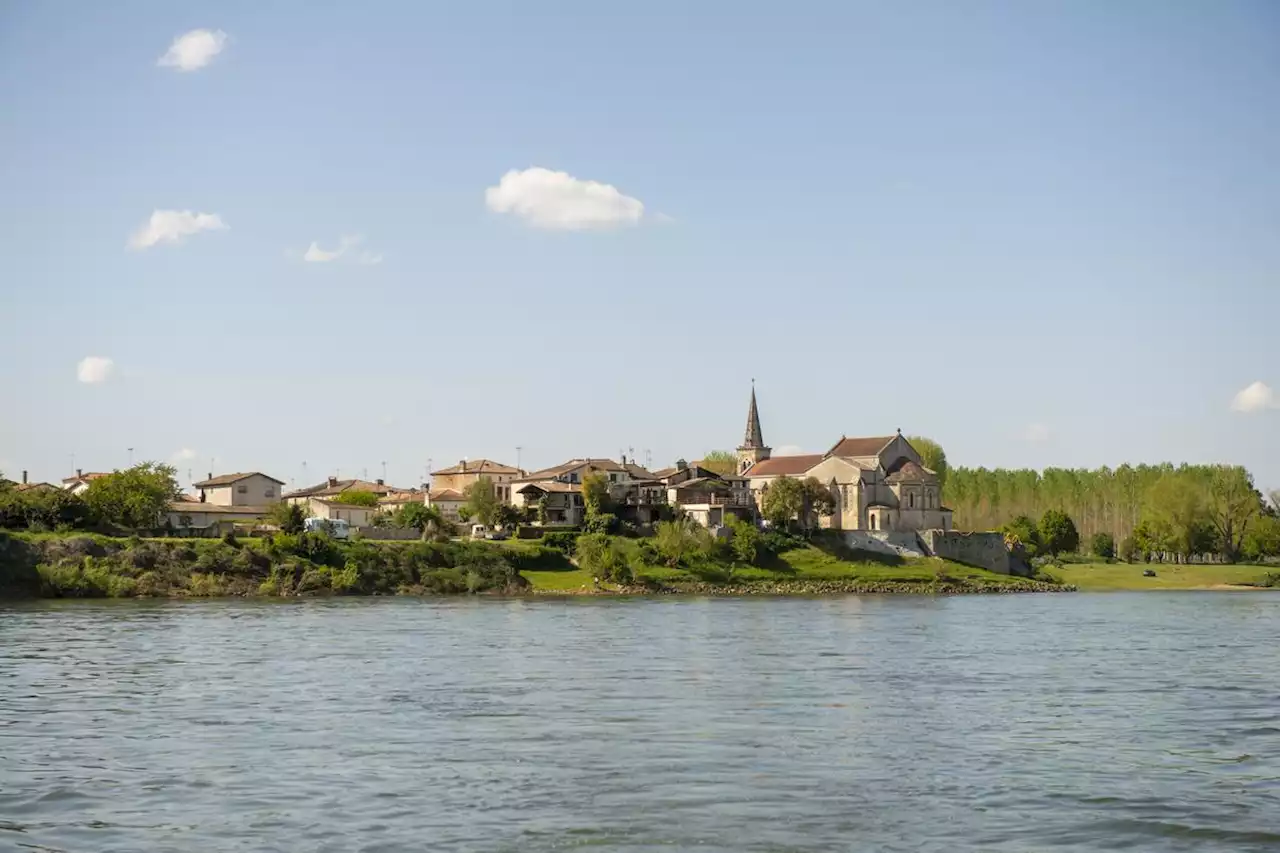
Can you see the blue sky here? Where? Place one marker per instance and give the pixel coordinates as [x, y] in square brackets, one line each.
[1044, 234]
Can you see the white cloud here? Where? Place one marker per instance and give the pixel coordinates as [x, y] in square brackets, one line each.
[1036, 433]
[346, 246]
[548, 199]
[94, 369]
[172, 226]
[1255, 398]
[788, 450]
[186, 454]
[193, 50]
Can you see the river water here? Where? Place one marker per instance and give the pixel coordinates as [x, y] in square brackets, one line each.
[988, 723]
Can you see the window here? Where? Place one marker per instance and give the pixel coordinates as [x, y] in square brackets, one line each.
[269, 492]
[911, 500]
[873, 521]
[242, 490]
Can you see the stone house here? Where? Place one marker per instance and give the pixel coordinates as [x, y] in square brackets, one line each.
[449, 502]
[332, 487]
[458, 477]
[78, 484]
[563, 501]
[334, 510]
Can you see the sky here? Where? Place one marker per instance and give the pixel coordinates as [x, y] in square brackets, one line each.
[343, 238]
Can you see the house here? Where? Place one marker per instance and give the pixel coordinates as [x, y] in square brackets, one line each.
[80, 482]
[449, 502]
[332, 487]
[556, 502]
[394, 501]
[458, 477]
[334, 510]
[190, 514]
[877, 483]
[244, 489]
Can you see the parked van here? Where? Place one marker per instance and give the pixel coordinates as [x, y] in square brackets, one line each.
[338, 528]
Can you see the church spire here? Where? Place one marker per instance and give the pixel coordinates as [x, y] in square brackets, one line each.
[753, 449]
[754, 437]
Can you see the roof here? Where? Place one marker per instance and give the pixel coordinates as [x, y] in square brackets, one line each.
[860, 446]
[229, 479]
[703, 482]
[753, 438]
[446, 495]
[324, 489]
[30, 487]
[910, 472]
[572, 465]
[779, 466]
[637, 472]
[879, 505]
[330, 502]
[401, 497]
[186, 508]
[478, 466]
[664, 473]
[84, 478]
[553, 486]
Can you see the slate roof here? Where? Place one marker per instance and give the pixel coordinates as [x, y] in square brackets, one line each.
[910, 472]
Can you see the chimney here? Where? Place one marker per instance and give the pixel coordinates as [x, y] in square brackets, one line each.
[24, 478]
[79, 473]
[379, 482]
[202, 496]
[210, 477]
[333, 481]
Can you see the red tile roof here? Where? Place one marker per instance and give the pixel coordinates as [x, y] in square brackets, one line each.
[446, 495]
[910, 472]
[229, 479]
[860, 446]
[779, 466]
[478, 466]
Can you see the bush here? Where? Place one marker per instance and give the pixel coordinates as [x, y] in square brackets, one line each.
[605, 558]
[537, 558]
[745, 543]
[1058, 532]
[1103, 545]
[602, 522]
[565, 541]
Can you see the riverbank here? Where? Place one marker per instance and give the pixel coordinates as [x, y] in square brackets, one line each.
[1100, 577]
[89, 566]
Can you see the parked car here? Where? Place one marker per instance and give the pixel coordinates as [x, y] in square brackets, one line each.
[338, 528]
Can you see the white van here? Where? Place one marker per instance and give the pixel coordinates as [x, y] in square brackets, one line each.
[338, 528]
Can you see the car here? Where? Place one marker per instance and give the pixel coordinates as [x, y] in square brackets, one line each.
[338, 528]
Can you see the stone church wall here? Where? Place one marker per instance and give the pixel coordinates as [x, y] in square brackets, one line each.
[984, 550]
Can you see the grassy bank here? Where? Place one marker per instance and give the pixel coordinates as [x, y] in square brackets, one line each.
[1128, 576]
[90, 566]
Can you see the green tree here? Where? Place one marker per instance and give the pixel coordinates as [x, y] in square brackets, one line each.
[1023, 531]
[135, 497]
[1058, 532]
[682, 541]
[290, 518]
[818, 501]
[1103, 545]
[933, 457]
[605, 557]
[482, 502]
[36, 508]
[595, 494]
[745, 543]
[1263, 539]
[358, 497]
[1232, 505]
[723, 462]
[1175, 514]
[415, 516]
[783, 501]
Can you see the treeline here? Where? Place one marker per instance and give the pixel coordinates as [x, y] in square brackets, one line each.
[1160, 510]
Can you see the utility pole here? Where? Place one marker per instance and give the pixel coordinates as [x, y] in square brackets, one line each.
[130, 457]
[519, 448]
[384, 470]
[304, 474]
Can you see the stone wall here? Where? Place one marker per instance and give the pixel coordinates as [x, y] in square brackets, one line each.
[984, 550]
[902, 544]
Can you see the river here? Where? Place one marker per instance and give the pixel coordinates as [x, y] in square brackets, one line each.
[1146, 721]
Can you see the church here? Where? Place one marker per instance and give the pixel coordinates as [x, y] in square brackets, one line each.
[878, 483]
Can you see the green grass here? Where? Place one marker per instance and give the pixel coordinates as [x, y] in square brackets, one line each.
[1128, 576]
[571, 581]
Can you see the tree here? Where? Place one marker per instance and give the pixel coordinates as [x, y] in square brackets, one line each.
[1232, 504]
[135, 497]
[1023, 531]
[932, 456]
[783, 501]
[604, 557]
[51, 508]
[508, 516]
[745, 543]
[1103, 545]
[482, 502]
[723, 462]
[415, 516]
[1175, 512]
[1263, 539]
[681, 542]
[1058, 532]
[818, 501]
[595, 494]
[290, 518]
[358, 497]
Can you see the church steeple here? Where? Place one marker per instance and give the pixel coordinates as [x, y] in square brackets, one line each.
[753, 448]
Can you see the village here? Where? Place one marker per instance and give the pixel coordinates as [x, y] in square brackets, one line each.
[876, 492]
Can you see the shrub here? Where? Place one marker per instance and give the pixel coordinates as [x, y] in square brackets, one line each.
[1103, 545]
[683, 542]
[1129, 550]
[537, 558]
[1058, 532]
[605, 558]
[745, 544]
[602, 522]
[565, 541]
[775, 541]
